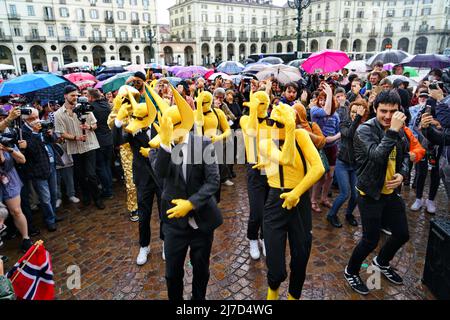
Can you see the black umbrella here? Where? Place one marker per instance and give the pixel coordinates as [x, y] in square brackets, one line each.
[427, 61]
[112, 70]
[388, 56]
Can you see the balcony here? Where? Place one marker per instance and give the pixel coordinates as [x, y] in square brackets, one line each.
[243, 39]
[67, 39]
[97, 39]
[124, 39]
[265, 39]
[433, 31]
[205, 38]
[231, 39]
[388, 33]
[48, 18]
[373, 34]
[219, 38]
[358, 30]
[35, 38]
[345, 34]
[13, 16]
[135, 22]
[5, 38]
[254, 39]
[109, 20]
[406, 28]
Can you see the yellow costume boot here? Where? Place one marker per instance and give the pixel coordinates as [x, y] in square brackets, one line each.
[272, 294]
[290, 297]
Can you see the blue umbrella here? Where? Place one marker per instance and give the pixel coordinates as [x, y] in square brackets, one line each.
[174, 81]
[230, 67]
[31, 82]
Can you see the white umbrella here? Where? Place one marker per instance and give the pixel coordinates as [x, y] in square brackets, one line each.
[357, 66]
[411, 82]
[115, 63]
[281, 72]
[223, 75]
[135, 67]
[6, 67]
[78, 65]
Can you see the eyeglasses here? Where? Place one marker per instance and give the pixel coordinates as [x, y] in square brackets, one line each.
[270, 122]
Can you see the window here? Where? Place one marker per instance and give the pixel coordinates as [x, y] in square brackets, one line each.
[375, 14]
[110, 32]
[17, 31]
[136, 33]
[93, 2]
[82, 32]
[96, 33]
[51, 31]
[407, 13]
[94, 14]
[218, 19]
[109, 15]
[242, 19]
[63, 12]
[189, 19]
[360, 14]
[121, 15]
[133, 3]
[80, 14]
[230, 19]
[48, 12]
[30, 10]
[427, 1]
[12, 9]
[66, 31]
[134, 16]
[265, 21]
[392, 3]
[176, 22]
[390, 13]
[145, 4]
[347, 3]
[107, 1]
[426, 11]
[347, 14]
[204, 6]
[120, 3]
[146, 17]
[182, 20]
[34, 31]
[253, 20]
[360, 3]
[204, 17]
[409, 2]
[318, 17]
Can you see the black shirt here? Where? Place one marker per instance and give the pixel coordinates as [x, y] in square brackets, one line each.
[101, 113]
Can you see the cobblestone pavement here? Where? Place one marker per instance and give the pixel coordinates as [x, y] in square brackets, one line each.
[104, 244]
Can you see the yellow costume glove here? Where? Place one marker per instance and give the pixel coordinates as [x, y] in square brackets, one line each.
[166, 131]
[124, 112]
[258, 166]
[182, 208]
[214, 139]
[144, 152]
[291, 199]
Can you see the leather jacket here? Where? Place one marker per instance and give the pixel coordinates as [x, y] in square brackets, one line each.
[372, 147]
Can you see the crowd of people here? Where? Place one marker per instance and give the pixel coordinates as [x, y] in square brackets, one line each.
[366, 135]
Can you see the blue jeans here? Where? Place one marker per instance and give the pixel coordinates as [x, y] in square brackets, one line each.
[104, 160]
[346, 179]
[46, 190]
[66, 175]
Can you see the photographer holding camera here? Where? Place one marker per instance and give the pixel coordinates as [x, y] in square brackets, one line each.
[81, 143]
[41, 165]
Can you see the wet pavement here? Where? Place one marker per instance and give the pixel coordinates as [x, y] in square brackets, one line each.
[104, 245]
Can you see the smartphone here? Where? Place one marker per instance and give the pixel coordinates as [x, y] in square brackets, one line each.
[428, 109]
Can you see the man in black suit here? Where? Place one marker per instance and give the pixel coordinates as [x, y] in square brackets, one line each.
[189, 210]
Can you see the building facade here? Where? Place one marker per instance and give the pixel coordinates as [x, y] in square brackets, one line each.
[233, 29]
[46, 34]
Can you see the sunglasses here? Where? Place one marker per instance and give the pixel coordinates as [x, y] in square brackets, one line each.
[271, 122]
[139, 118]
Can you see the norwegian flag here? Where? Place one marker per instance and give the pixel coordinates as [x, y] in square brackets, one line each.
[32, 275]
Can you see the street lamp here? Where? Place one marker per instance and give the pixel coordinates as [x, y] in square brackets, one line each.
[299, 5]
[151, 35]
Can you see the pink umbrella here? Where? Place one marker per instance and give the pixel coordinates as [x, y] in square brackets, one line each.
[99, 84]
[208, 74]
[135, 68]
[79, 76]
[84, 84]
[326, 61]
[388, 66]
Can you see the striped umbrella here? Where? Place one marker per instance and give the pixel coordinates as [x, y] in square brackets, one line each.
[230, 67]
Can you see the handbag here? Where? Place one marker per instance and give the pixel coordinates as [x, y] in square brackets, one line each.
[324, 159]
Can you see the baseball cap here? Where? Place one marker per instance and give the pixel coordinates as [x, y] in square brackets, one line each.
[70, 88]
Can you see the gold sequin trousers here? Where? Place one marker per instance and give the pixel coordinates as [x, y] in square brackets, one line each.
[126, 157]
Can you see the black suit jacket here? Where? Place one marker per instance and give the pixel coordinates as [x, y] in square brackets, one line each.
[203, 180]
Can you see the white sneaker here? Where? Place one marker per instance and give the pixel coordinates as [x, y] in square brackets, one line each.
[417, 205]
[163, 254]
[254, 249]
[58, 203]
[74, 199]
[263, 247]
[142, 256]
[228, 183]
[431, 207]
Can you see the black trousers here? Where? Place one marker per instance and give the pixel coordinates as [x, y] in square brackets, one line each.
[281, 224]
[422, 171]
[389, 209]
[176, 243]
[257, 189]
[84, 168]
[145, 196]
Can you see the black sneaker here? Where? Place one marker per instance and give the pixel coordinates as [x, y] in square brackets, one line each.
[134, 216]
[26, 244]
[356, 283]
[59, 218]
[388, 272]
[33, 232]
[99, 204]
[334, 220]
[351, 220]
[51, 227]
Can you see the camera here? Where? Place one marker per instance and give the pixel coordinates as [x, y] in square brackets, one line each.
[8, 139]
[83, 107]
[436, 85]
[46, 125]
[25, 111]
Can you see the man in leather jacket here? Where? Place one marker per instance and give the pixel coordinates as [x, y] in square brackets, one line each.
[381, 154]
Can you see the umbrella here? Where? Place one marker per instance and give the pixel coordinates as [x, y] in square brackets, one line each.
[174, 81]
[388, 66]
[215, 75]
[99, 84]
[113, 70]
[412, 71]
[427, 61]
[394, 56]
[296, 63]
[79, 76]
[6, 67]
[135, 68]
[230, 67]
[175, 69]
[114, 83]
[115, 63]
[31, 82]
[256, 67]
[154, 65]
[80, 65]
[192, 71]
[248, 60]
[271, 60]
[326, 61]
[357, 66]
[411, 82]
[208, 74]
[281, 72]
[83, 84]
[236, 78]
